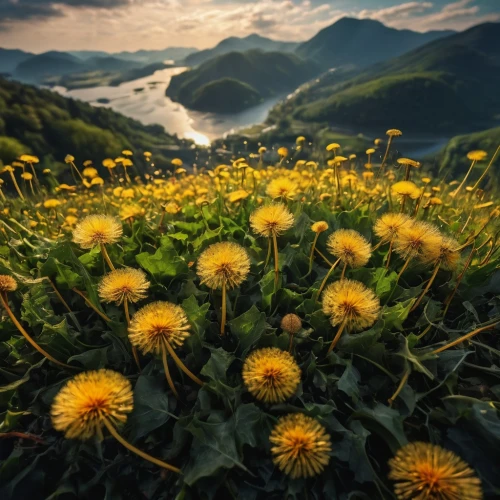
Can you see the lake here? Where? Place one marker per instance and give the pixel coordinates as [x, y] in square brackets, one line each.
[145, 100]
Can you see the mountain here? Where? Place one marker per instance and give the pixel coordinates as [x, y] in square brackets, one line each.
[37, 67]
[141, 56]
[110, 63]
[50, 126]
[267, 73]
[448, 85]
[234, 43]
[362, 42]
[10, 58]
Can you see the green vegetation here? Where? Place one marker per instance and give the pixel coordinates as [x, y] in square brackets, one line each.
[269, 73]
[226, 95]
[449, 85]
[50, 126]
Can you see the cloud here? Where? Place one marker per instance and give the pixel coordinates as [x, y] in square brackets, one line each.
[261, 22]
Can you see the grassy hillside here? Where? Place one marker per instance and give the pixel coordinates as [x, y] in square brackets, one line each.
[51, 126]
[269, 73]
[361, 42]
[226, 95]
[448, 85]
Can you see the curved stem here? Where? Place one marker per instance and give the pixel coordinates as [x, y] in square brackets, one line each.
[342, 276]
[290, 345]
[337, 337]
[25, 334]
[323, 257]
[476, 185]
[106, 257]
[77, 171]
[268, 256]
[181, 365]
[92, 306]
[400, 387]
[167, 371]
[135, 450]
[389, 253]
[384, 159]
[135, 354]
[16, 185]
[426, 289]
[325, 279]
[64, 303]
[223, 310]
[463, 338]
[311, 256]
[455, 193]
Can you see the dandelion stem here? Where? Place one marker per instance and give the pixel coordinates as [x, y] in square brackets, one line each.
[21, 435]
[92, 306]
[77, 171]
[181, 365]
[463, 338]
[290, 345]
[135, 450]
[389, 253]
[276, 260]
[426, 289]
[459, 280]
[342, 276]
[167, 371]
[400, 387]
[337, 337]
[325, 279]
[323, 257]
[25, 334]
[135, 354]
[311, 256]
[223, 310]
[268, 253]
[106, 257]
[455, 193]
[64, 303]
[16, 185]
[384, 159]
[476, 185]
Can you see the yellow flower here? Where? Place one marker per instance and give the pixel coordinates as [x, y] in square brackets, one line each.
[7, 283]
[408, 162]
[27, 176]
[352, 302]
[477, 155]
[350, 247]
[51, 203]
[394, 132]
[281, 188]
[427, 471]
[238, 195]
[412, 238]
[172, 208]
[283, 152]
[446, 254]
[130, 211]
[177, 162]
[406, 188]
[301, 446]
[271, 375]
[388, 225]
[271, 220]
[97, 229]
[158, 322]
[90, 172]
[333, 146]
[319, 227]
[69, 159]
[82, 405]
[123, 284]
[262, 150]
[222, 264]
[127, 152]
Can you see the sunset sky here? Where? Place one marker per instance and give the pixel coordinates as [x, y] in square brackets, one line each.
[115, 25]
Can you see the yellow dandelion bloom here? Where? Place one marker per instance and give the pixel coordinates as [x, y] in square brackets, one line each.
[408, 162]
[350, 247]
[333, 146]
[281, 188]
[446, 254]
[352, 302]
[272, 219]
[158, 322]
[97, 229]
[123, 284]
[7, 283]
[51, 203]
[237, 195]
[82, 405]
[177, 162]
[406, 188]
[319, 227]
[427, 471]
[412, 238]
[388, 225]
[90, 172]
[271, 375]
[394, 132]
[301, 446]
[223, 263]
[283, 152]
[477, 155]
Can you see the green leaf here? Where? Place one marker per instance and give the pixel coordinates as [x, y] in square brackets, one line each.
[248, 329]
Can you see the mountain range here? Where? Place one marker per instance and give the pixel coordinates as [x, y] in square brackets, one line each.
[449, 84]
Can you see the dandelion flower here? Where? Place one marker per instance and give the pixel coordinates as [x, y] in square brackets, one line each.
[350, 247]
[222, 264]
[281, 188]
[406, 189]
[273, 219]
[319, 227]
[388, 225]
[271, 375]
[352, 303]
[156, 323]
[7, 284]
[301, 446]
[394, 132]
[82, 405]
[477, 155]
[427, 471]
[413, 238]
[124, 284]
[446, 254]
[97, 230]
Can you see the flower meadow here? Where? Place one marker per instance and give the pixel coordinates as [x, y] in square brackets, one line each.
[274, 327]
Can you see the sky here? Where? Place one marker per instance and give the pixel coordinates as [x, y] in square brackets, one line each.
[116, 25]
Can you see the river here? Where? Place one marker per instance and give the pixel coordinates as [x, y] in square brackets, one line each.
[145, 100]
